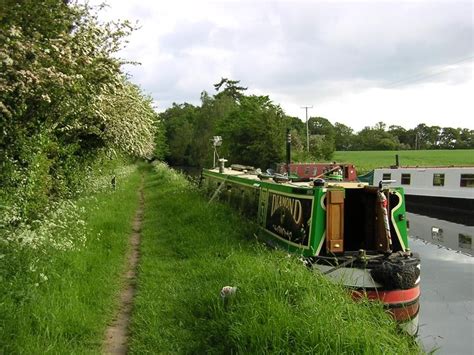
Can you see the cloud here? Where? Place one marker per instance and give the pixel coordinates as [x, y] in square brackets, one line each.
[309, 52]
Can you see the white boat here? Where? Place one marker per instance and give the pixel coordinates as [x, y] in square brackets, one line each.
[447, 192]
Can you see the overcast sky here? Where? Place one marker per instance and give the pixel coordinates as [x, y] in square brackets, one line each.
[357, 63]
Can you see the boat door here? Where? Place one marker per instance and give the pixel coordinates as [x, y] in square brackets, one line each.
[335, 220]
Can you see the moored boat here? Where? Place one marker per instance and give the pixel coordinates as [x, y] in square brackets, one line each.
[351, 232]
[307, 171]
[445, 192]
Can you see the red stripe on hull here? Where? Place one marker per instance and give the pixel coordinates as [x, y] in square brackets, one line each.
[403, 305]
[389, 297]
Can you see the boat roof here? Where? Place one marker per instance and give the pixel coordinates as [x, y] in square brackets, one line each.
[306, 184]
[319, 163]
[428, 167]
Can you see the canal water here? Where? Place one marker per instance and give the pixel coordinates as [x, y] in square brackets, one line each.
[447, 283]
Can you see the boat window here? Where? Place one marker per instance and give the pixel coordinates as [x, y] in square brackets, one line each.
[437, 234]
[405, 179]
[467, 180]
[315, 172]
[387, 176]
[465, 241]
[306, 170]
[438, 179]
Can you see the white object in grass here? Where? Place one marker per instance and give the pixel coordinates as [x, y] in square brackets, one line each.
[228, 291]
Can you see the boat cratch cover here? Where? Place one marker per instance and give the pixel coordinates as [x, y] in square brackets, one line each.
[289, 217]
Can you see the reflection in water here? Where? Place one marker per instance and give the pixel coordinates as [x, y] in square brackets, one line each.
[448, 234]
[465, 241]
[447, 289]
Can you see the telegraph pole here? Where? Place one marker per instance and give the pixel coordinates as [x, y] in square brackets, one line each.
[307, 130]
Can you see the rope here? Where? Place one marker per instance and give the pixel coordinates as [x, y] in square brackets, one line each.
[350, 261]
[384, 205]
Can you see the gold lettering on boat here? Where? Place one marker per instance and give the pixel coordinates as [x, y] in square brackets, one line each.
[291, 204]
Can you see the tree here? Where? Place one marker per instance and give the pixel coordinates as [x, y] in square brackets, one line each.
[231, 88]
[403, 136]
[449, 138]
[426, 137]
[255, 133]
[212, 111]
[465, 139]
[343, 136]
[321, 147]
[376, 138]
[320, 126]
[179, 122]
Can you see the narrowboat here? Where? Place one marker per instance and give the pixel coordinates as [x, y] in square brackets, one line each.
[352, 232]
[445, 192]
[306, 171]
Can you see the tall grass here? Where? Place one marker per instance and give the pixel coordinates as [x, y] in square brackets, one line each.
[60, 275]
[366, 161]
[190, 250]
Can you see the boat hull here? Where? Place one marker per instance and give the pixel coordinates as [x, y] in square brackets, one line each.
[403, 305]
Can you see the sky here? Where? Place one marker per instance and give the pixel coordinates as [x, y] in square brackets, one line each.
[356, 63]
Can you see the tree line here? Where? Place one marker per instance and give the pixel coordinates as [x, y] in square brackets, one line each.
[254, 129]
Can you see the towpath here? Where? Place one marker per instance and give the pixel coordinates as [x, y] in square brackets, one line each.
[116, 336]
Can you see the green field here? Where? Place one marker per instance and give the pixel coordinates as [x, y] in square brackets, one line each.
[366, 161]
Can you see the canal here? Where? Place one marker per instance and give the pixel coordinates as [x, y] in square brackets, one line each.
[447, 287]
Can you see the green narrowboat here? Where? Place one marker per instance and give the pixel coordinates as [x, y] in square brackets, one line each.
[352, 232]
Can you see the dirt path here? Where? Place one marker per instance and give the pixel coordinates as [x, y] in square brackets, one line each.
[116, 335]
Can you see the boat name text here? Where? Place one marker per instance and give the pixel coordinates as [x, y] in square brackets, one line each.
[291, 204]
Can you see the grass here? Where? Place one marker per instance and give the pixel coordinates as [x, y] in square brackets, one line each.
[366, 161]
[190, 250]
[67, 308]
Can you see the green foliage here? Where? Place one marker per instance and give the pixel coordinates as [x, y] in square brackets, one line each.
[343, 136]
[322, 138]
[178, 121]
[252, 127]
[253, 133]
[321, 147]
[375, 138]
[231, 89]
[65, 105]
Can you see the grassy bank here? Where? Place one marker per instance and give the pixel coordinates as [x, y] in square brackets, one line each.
[368, 160]
[190, 250]
[60, 275]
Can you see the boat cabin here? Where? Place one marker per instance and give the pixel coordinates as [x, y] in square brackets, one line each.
[320, 170]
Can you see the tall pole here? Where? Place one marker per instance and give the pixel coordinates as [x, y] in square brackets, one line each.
[288, 151]
[307, 130]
